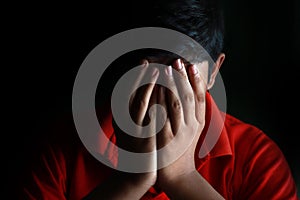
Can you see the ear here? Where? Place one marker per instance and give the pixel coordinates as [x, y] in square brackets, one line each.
[215, 70]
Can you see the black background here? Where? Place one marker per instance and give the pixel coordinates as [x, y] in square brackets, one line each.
[45, 44]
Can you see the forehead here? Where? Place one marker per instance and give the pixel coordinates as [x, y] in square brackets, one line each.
[158, 56]
[162, 57]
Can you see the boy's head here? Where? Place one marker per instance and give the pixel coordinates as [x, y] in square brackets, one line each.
[201, 20]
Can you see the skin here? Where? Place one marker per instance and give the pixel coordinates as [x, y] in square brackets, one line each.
[179, 180]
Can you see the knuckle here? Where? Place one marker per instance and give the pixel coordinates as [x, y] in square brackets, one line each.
[141, 104]
[200, 97]
[183, 76]
[188, 97]
[176, 105]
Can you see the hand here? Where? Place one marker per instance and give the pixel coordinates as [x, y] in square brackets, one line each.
[139, 106]
[185, 120]
[135, 185]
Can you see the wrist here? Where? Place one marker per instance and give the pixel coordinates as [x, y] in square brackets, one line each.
[171, 182]
[145, 180]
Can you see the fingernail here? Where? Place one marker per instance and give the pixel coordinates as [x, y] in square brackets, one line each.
[145, 63]
[168, 70]
[194, 70]
[178, 64]
[182, 63]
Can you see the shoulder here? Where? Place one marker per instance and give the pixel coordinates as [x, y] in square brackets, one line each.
[244, 135]
[259, 161]
[249, 143]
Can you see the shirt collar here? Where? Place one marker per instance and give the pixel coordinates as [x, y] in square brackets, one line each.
[213, 141]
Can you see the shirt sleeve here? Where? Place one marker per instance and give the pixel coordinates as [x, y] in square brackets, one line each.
[266, 174]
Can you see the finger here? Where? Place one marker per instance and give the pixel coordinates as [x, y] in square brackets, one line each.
[144, 68]
[173, 102]
[150, 118]
[166, 133]
[141, 99]
[165, 136]
[199, 88]
[141, 143]
[162, 112]
[185, 91]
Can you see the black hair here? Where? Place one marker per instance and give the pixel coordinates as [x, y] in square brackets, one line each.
[201, 20]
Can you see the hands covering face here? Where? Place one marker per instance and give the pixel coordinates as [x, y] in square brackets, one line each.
[184, 103]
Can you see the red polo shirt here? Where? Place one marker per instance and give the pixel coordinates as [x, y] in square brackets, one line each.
[243, 164]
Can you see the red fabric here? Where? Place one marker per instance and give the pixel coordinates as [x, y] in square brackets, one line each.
[244, 164]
